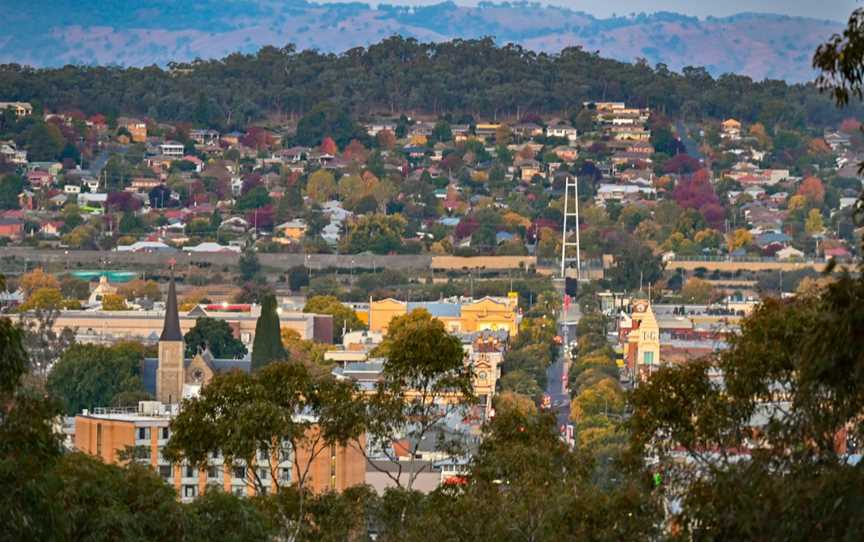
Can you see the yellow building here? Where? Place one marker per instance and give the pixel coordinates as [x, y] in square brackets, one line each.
[488, 313]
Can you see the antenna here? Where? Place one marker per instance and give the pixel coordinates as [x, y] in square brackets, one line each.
[571, 183]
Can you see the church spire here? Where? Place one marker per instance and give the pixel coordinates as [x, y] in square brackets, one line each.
[171, 328]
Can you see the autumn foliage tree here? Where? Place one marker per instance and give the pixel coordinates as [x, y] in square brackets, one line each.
[813, 190]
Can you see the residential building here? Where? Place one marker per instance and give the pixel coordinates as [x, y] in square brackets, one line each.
[172, 149]
[137, 128]
[21, 109]
[12, 228]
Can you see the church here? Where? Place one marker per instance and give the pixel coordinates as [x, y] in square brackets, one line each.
[172, 376]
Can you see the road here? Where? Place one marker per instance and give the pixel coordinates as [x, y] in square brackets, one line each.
[556, 374]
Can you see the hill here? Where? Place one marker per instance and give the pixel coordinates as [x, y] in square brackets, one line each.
[401, 74]
[43, 33]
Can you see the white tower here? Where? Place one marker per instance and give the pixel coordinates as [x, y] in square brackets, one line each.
[571, 220]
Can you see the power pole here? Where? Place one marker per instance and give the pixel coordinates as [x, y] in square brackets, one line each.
[571, 184]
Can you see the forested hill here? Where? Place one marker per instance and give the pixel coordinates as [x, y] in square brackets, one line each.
[57, 32]
[403, 75]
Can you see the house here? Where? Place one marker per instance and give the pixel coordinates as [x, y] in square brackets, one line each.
[10, 153]
[486, 131]
[51, 228]
[21, 109]
[730, 129]
[527, 129]
[13, 228]
[293, 230]
[789, 253]
[92, 203]
[566, 153]
[331, 233]
[618, 192]
[204, 137]
[232, 138]
[172, 149]
[39, 178]
[235, 224]
[145, 184]
[137, 128]
[528, 169]
[837, 253]
[772, 238]
[562, 130]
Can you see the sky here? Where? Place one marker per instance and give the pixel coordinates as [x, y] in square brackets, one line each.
[837, 10]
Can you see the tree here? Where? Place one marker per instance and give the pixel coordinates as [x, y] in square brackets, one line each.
[214, 335]
[386, 139]
[813, 191]
[267, 346]
[697, 291]
[217, 515]
[137, 289]
[114, 302]
[321, 186]
[378, 233]
[813, 224]
[13, 358]
[11, 187]
[46, 299]
[249, 265]
[329, 146]
[739, 238]
[344, 318]
[74, 288]
[327, 120]
[35, 280]
[89, 375]
[280, 411]
[441, 131]
[789, 399]
[635, 265]
[424, 380]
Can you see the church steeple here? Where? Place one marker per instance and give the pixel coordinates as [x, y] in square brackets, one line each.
[171, 327]
[170, 373]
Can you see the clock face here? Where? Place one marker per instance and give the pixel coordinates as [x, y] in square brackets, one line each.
[640, 307]
[198, 375]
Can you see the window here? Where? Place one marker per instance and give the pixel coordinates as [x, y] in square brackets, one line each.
[166, 472]
[190, 492]
[212, 473]
[190, 472]
[648, 358]
[263, 454]
[239, 491]
[165, 433]
[143, 433]
[285, 474]
[240, 473]
[264, 475]
[214, 454]
[99, 439]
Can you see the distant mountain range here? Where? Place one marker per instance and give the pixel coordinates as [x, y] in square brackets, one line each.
[57, 32]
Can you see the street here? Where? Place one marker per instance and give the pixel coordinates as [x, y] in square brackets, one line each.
[556, 374]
